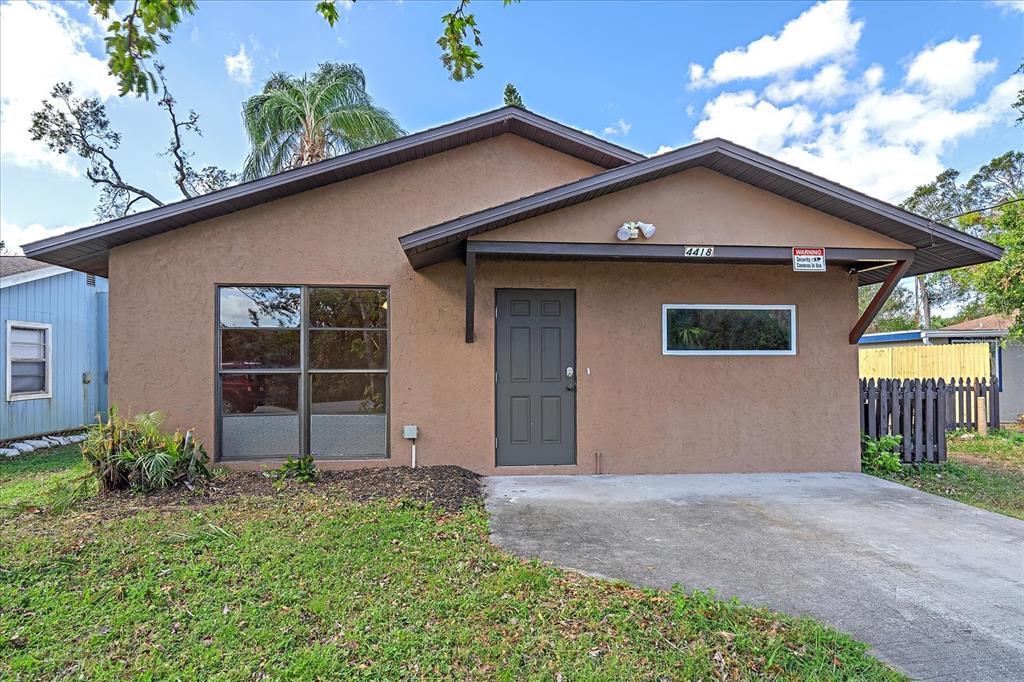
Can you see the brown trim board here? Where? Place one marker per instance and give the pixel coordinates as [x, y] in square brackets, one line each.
[899, 269]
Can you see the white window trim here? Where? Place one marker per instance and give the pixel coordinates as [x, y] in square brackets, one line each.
[48, 332]
[726, 306]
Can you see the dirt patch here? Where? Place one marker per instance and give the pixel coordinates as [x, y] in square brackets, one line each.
[447, 487]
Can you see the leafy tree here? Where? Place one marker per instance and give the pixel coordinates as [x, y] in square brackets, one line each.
[947, 200]
[69, 124]
[897, 314]
[1001, 179]
[297, 121]
[937, 200]
[1002, 282]
[1018, 104]
[512, 98]
[132, 40]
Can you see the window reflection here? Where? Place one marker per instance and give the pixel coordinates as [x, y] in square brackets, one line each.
[260, 306]
[348, 308]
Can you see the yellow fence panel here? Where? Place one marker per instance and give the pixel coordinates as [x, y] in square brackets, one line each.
[926, 362]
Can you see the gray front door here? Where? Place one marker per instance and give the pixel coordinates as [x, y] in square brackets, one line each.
[535, 376]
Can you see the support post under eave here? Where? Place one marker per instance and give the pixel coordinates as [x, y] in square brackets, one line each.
[470, 293]
[899, 269]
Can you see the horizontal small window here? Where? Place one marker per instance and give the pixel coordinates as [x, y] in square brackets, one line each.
[691, 329]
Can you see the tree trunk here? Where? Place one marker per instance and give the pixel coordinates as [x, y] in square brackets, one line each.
[924, 305]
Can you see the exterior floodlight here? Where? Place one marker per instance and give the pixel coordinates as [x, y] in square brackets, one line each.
[631, 230]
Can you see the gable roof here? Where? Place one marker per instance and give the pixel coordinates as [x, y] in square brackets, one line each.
[13, 265]
[87, 249]
[939, 247]
[988, 323]
[16, 270]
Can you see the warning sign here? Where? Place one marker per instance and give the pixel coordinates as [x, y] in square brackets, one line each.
[808, 260]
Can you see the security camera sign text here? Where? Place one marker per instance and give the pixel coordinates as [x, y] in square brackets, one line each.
[808, 260]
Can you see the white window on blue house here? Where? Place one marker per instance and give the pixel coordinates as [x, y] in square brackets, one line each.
[29, 363]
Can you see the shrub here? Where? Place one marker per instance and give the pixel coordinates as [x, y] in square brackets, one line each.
[134, 453]
[301, 469]
[879, 455]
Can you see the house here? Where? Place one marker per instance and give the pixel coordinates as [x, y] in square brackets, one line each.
[531, 298]
[1005, 360]
[53, 347]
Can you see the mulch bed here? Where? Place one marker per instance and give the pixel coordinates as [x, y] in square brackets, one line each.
[447, 487]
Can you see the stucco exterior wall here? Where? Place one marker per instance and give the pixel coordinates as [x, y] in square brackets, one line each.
[643, 411]
[696, 207]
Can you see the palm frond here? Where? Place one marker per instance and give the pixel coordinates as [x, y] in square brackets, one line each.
[296, 121]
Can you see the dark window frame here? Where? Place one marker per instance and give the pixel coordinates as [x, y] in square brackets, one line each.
[304, 372]
[665, 308]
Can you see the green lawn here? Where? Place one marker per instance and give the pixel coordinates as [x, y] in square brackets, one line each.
[36, 479]
[311, 585]
[983, 471]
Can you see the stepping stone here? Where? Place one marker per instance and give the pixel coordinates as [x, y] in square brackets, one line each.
[9, 452]
[22, 447]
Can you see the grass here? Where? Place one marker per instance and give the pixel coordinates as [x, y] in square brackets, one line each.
[39, 480]
[983, 471]
[315, 586]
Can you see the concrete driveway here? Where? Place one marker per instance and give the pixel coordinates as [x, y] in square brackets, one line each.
[935, 586]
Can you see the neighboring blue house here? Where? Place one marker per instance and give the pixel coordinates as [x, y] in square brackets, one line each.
[53, 347]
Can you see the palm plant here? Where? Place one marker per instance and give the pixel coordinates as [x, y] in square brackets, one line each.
[298, 121]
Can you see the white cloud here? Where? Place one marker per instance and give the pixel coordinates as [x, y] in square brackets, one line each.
[743, 118]
[15, 236]
[620, 127]
[239, 66]
[663, 149]
[41, 45]
[1009, 5]
[881, 141]
[884, 143]
[822, 33]
[874, 75]
[949, 69]
[828, 84]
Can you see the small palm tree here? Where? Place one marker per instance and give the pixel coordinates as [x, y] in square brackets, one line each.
[298, 121]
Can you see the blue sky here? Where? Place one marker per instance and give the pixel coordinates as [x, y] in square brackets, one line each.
[879, 96]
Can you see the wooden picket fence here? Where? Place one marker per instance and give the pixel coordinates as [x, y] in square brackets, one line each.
[923, 410]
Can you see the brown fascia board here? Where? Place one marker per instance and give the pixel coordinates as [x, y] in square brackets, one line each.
[432, 244]
[87, 248]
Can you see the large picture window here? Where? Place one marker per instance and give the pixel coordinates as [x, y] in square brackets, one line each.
[303, 370]
[29, 365]
[709, 329]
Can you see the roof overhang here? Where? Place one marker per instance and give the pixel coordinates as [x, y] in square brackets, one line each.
[937, 247]
[924, 334]
[87, 249]
[965, 333]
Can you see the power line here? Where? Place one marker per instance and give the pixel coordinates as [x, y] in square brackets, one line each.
[979, 210]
